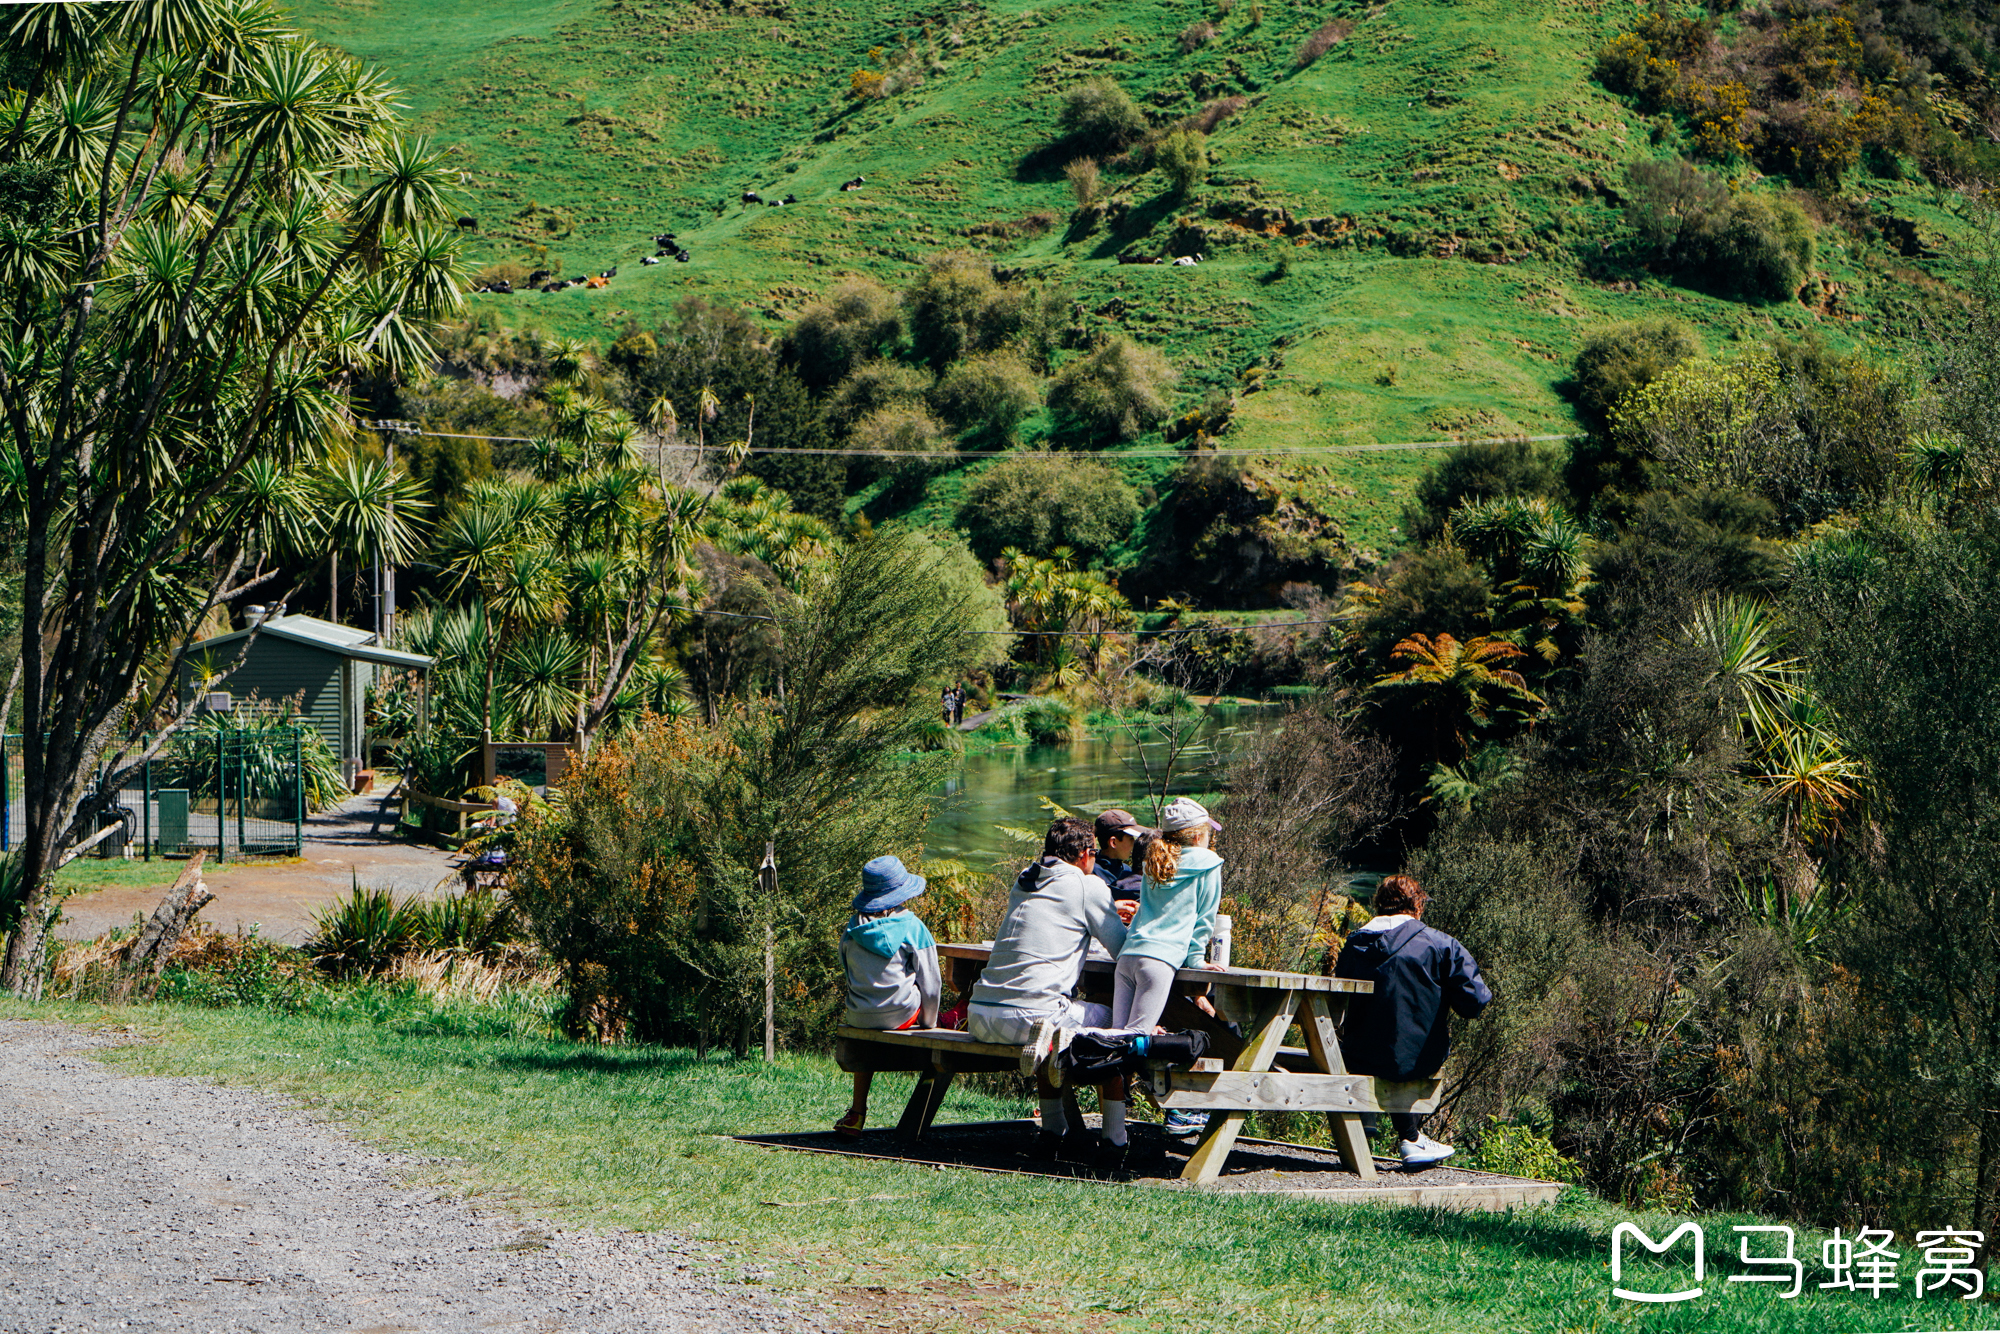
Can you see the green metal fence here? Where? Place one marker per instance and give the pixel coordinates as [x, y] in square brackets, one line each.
[227, 791]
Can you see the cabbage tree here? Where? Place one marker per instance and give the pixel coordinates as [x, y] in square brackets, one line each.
[210, 226]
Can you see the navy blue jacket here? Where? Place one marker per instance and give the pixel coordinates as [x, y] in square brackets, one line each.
[1123, 877]
[1402, 1030]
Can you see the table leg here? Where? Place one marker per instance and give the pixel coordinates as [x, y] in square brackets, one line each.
[925, 1099]
[1316, 1021]
[1261, 1042]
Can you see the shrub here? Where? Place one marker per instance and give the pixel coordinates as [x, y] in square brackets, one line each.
[1116, 392]
[1621, 358]
[873, 386]
[1734, 245]
[1480, 470]
[957, 307]
[365, 931]
[1098, 117]
[987, 395]
[904, 429]
[643, 885]
[1183, 156]
[1195, 36]
[1082, 174]
[858, 322]
[1514, 1149]
[866, 85]
[1039, 502]
[1324, 38]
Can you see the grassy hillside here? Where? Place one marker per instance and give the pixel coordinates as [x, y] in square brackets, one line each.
[1440, 187]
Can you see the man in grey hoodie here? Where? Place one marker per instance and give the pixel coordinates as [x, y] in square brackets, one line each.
[1057, 907]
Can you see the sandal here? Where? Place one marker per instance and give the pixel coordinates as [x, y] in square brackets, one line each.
[849, 1125]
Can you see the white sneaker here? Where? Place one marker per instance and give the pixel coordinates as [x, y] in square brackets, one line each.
[1038, 1046]
[1423, 1151]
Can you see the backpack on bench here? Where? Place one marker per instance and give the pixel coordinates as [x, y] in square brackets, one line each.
[1094, 1055]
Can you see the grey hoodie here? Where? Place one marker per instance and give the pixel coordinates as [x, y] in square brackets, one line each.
[1038, 952]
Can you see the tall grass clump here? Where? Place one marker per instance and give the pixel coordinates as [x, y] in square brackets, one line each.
[1083, 176]
[1323, 39]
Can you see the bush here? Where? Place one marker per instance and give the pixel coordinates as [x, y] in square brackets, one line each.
[643, 885]
[1733, 245]
[1622, 358]
[957, 308]
[1514, 1149]
[872, 387]
[1114, 393]
[988, 395]
[1183, 156]
[1098, 117]
[857, 323]
[1479, 470]
[1039, 502]
[903, 429]
[1324, 38]
[1195, 36]
[364, 932]
[1082, 174]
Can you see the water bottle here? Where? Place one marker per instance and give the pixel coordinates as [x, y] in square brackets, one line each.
[1218, 943]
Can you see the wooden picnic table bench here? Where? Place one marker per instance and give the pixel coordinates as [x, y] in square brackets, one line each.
[1252, 1070]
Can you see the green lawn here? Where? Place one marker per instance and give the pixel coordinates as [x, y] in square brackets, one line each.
[633, 1137]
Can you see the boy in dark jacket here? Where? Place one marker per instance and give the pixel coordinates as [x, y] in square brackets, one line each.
[1403, 1030]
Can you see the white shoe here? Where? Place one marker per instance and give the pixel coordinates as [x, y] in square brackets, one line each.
[1423, 1151]
[1040, 1044]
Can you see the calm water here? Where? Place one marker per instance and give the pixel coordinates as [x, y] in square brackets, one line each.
[1005, 786]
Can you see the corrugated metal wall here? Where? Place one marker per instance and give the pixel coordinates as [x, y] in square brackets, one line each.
[278, 669]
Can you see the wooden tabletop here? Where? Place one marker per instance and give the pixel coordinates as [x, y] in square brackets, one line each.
[1221, 977]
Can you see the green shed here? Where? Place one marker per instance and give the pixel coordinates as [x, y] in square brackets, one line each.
[325, 666]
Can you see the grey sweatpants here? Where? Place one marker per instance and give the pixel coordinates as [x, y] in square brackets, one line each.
[1141, 988]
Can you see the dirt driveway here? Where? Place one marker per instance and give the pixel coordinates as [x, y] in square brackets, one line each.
[352, 842]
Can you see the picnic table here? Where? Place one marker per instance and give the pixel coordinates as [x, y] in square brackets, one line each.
[1252, 1068]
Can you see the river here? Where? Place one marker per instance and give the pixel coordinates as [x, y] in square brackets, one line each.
[1005, 785]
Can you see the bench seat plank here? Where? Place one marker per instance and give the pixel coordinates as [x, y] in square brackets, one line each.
[1283, 1091]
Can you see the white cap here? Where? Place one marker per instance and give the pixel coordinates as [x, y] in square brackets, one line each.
[1185, 813]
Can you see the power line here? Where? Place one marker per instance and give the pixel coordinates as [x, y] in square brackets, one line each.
[1077, 634]
[1114, 455]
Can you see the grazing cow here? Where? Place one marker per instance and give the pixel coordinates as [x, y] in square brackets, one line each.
[1187, 261]
[503, 287]
[553, 287]
[609, 273]
[683, 257]
[1137, 259]
[538, 277]
[854, 184]
[791, 199]
[577, 281]
[649, 259]
[597, 282]
[468, 224]
[664, 240]
[752, 197]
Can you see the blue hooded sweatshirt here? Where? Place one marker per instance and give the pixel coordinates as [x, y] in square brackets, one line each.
[892, 971]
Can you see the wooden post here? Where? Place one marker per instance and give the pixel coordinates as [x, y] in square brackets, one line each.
[767, 885]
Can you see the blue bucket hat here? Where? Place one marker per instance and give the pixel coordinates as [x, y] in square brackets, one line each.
[886, 882]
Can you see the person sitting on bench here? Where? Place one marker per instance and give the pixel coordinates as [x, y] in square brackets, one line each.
[893, 978]
[1056, 908]
[1402, 1031]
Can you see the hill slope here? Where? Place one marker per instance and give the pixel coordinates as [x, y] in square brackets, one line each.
[1442, 183]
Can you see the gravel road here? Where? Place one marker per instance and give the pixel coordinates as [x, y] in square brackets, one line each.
[130, 1202]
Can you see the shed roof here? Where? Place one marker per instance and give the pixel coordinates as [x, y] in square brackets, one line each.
[330, 636]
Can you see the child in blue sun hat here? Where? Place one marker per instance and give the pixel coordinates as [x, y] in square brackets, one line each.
[893, 978]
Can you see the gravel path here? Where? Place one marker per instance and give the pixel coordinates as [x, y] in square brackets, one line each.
[131, 1202]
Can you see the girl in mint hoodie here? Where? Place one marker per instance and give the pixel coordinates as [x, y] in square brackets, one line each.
[1177, 903]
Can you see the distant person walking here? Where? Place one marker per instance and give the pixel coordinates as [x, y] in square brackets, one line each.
[958, 705]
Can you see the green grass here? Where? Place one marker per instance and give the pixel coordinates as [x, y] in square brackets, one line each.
[634, 1137]
[1437, 134]
[87, 874]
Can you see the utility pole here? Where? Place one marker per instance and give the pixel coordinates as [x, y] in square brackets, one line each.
[767, 885]
[385, 574]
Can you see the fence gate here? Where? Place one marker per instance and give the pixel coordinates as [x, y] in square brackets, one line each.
[230, 791]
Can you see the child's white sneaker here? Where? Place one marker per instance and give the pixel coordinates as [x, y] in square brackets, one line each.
[1423, 1151]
